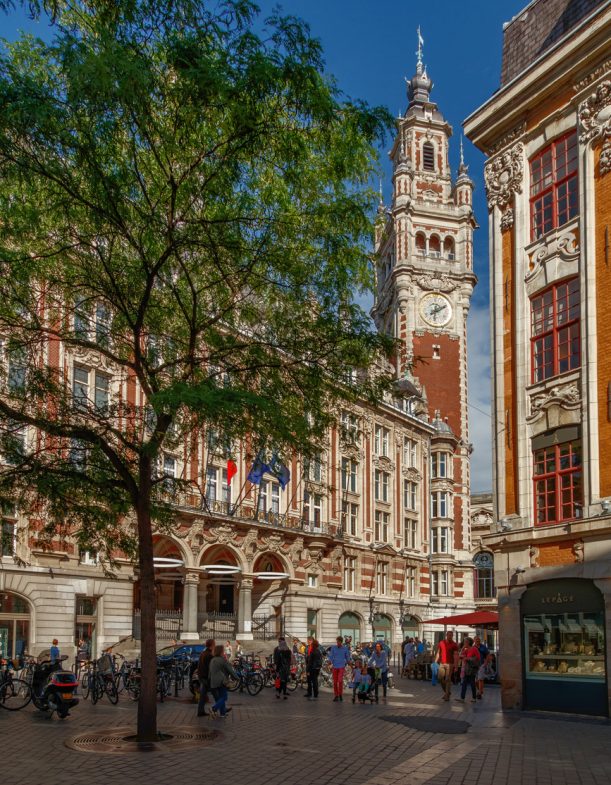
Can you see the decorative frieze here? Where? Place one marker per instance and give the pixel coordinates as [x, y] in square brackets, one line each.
[507, 219]
[437, 283]
[506, 140]
[595, 122]
[564, 248]
[503, 176]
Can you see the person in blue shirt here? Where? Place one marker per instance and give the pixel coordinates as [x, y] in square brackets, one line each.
[339, 656]
[379, 661]
[54, 652]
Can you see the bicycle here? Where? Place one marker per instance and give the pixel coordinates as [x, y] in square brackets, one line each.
[15, 693]
[98, 680]
[247, 677]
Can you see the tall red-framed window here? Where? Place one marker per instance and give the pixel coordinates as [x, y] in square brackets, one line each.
[554, 197]
[557, 479]
[555, 335]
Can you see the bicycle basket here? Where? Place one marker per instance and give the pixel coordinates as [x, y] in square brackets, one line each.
[105, 664]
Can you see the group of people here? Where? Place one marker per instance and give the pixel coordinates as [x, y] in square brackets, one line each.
[411, 648]
[472, 660]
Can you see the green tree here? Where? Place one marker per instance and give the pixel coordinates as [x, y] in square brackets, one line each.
[184, 202]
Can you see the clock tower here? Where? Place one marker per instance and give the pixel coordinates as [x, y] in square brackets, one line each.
[424, 265]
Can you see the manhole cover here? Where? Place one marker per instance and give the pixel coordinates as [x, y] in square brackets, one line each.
[430, 724]
[122, 740]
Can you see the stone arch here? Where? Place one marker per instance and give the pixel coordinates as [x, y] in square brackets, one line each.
[449, 248]
[351, 622]
[420, 243]
[435, 244]
[211, 553]
[166, 544]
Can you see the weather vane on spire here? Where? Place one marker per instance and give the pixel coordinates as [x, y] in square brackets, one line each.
[462, 153]
[420, 45]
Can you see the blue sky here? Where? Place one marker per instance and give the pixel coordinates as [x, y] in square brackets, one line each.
[370, 47]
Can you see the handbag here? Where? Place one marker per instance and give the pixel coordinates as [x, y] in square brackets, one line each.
[277, 682]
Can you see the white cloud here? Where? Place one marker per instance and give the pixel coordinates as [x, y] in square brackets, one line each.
[480, 431]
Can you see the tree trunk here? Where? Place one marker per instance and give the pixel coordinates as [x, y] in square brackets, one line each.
[147, 704]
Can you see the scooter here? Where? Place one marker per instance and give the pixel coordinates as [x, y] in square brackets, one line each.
[53, 688]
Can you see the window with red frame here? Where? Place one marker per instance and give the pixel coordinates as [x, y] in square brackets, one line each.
[557, 479]
[553, 186]
[555, 330]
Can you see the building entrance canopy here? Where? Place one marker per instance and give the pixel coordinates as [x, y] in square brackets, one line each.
[476, 619]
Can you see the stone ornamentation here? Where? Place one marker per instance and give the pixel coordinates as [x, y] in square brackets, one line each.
[437, 283]
[506, 140]
[507, 219]
[504, 175]
[595, 122]
[566, 396]
[565, 248]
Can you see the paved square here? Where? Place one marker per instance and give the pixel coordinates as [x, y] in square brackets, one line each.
[413, 738]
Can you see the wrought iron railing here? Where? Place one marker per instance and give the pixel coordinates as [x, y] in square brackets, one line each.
[249, 513]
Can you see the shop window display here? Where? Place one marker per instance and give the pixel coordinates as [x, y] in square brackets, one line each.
[567, 646]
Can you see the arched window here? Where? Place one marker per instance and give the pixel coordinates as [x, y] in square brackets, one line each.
[448, 248]
[428, 156]
[484, 575]
[420, 244]
[382, 629]
[350, 624]
[434, 246]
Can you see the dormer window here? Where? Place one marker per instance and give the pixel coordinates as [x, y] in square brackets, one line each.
[428, 157]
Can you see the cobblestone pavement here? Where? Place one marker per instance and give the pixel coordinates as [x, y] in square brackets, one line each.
[413, 738]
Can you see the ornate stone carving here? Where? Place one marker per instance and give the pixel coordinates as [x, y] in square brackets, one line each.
[410, 473]
[194, 536]
[296, 550]
[507, 219]
[509, 137]
[336, 559]
[250, 544]
[222, 534]
[595, 122]
[578, 551]
[503, 176]
[481, 518]
[567, 396]
[534, 556]
[438, 283]
[565, 248]
[382, 462]
[273, 543]
[602, 69]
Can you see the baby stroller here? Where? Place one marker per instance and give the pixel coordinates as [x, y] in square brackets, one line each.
[366, 690]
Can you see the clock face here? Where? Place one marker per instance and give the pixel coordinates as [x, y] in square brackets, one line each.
[436, 309]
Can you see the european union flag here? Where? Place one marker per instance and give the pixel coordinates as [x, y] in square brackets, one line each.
[280, 471]
[257, 470]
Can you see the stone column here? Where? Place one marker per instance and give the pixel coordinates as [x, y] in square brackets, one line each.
[189, 614]
[245, 610]
[510, 634]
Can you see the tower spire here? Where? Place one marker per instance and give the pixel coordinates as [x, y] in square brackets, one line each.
[419, 66]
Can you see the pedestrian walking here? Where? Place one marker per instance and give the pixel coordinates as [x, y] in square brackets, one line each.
[379, 662]
[447, 659]
[228, 650]
[339, 655]
[313, 666]
[218, 672]
[203, 673]
[409, 653]
[486, 671]
[470, 663]
[283, 660]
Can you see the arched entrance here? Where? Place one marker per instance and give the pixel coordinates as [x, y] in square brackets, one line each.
[350, 624]
[410, 627]
[14, 625]
[382, 629]
[268, 592]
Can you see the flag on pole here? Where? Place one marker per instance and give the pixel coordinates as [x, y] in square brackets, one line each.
[280, 471]
[232, 470]
[257, 470]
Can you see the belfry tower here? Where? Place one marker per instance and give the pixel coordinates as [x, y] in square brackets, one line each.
[425, 279]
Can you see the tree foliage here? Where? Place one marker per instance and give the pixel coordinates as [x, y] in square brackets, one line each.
[185, 201]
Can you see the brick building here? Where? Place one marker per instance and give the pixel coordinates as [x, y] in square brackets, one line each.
[547, 134]
[371, 538]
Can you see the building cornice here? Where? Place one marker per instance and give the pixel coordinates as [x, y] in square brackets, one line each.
[581, 50]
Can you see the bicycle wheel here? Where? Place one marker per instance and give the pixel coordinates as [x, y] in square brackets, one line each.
[86, 684]
[254, 683]
[97, 689]
[133, 687]
[291, 684]
[15, 694]
[111, 690]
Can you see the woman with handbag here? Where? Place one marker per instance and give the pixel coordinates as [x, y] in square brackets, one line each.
[218, 672]
[470, 662]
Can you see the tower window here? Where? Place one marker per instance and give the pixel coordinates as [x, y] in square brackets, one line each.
[436, 352]
[428, 157]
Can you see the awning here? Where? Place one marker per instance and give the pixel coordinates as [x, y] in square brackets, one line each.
[475, 619]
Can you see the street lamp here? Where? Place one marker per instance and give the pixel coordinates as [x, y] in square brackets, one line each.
[373, 610]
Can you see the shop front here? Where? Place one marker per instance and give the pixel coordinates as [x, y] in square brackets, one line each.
[563, 644]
